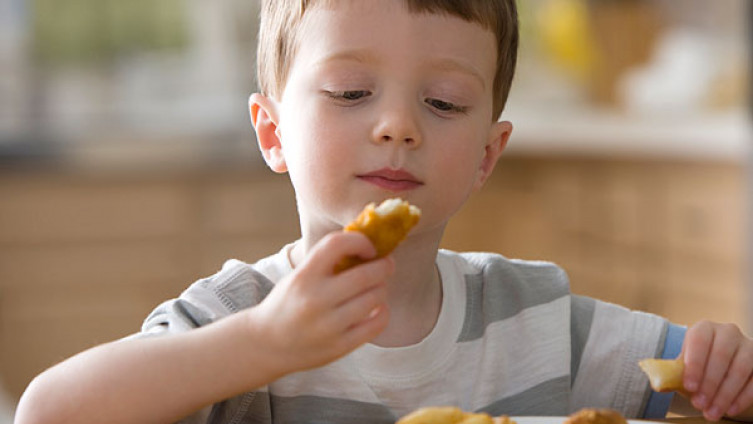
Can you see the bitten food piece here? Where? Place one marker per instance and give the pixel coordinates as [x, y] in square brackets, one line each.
[596, 416]
[664, 375]
[451, 415]
[385, 225]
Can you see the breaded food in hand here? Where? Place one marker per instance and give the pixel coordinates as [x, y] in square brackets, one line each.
[451, 415]
[664, 375]
[596, 416]
[385, 225]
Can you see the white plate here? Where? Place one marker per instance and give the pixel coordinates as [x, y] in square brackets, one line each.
[560, 420]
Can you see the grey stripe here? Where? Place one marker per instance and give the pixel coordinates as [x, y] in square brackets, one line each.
[509, 289]
[252, 407]
[314, 409]
[548, 398]
[581, 317]
[196, 316]
[247, 289]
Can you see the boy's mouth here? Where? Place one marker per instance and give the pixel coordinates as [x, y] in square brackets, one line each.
[392, 179]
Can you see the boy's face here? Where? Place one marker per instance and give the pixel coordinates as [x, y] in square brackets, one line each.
[381, 103]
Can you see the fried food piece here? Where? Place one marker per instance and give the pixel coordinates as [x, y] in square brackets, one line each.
[434, 415]
[596, 416]
[664, 375]
[503, 419]
[451, 415]
[477, 419]
[385, 225]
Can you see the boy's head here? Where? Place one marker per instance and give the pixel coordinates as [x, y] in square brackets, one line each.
[281, 23]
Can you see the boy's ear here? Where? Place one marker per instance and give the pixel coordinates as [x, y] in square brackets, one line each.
[265, 117]
[498, 136]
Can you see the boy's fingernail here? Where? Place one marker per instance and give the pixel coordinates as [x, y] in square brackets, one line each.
[714, 413]
[691, 386]
[699, 401]
[732, 411]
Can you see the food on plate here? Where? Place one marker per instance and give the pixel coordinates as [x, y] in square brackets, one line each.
[433, 415]
[664, 375]
[451, 415]
[385, 225]
[596, 416]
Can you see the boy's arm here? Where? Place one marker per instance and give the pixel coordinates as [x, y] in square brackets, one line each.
[309, 319]
[156, 379]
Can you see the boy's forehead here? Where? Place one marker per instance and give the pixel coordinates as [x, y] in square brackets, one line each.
[405, 7]
[356, 24]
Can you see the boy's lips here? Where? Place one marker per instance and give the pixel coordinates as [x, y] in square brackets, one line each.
[391, 179]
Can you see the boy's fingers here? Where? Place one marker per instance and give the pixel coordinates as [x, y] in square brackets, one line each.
[335, 246]
[361, 278]
[367, 329]
[723, 349]
[695, 350]
[743, 401]
[361, 306]
[737, 376]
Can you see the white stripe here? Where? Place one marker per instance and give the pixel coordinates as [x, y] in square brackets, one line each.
[520, 349]
[525, 351]
[619, 338]
[340, 380]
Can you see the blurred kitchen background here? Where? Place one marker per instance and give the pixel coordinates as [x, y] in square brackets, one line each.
[128, 168]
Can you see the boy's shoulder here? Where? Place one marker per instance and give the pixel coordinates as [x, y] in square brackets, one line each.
[236, 286]
[239, 285]
[493, 267]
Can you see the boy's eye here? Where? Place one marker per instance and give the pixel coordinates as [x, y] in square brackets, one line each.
[349, 95]
[444, 106]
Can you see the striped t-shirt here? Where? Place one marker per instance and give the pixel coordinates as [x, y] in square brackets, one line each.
[510, 339]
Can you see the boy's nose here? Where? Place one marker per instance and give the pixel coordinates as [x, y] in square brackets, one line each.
[397, 126]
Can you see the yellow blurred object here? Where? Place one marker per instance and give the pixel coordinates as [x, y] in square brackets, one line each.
[83, 32]
[566, 35]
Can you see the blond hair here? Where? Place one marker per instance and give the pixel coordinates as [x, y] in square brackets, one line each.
[281, 22]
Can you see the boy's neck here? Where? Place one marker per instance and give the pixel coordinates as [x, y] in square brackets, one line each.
[414, 298]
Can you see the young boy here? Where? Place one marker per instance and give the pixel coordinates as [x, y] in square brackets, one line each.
[365, 100]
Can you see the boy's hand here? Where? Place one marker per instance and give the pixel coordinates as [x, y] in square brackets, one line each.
[718, 369]
[315, 316]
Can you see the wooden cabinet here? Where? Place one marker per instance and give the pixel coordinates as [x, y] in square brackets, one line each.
[664, 237]
[85, 257]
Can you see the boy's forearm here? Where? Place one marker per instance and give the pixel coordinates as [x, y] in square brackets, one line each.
[158, 379]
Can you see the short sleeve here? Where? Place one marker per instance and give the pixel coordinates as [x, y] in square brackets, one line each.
[608, 375]
[237, 286]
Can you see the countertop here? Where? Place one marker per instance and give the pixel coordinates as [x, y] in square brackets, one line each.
[595, 132]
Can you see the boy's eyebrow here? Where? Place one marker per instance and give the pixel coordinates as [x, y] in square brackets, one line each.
[454, 65]
[350, 55]
[443, 64]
